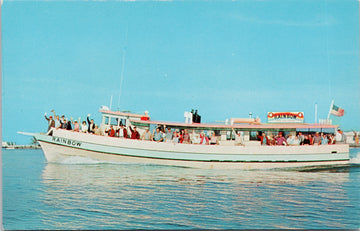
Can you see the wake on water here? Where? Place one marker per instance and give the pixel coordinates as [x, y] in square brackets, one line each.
[79, 160]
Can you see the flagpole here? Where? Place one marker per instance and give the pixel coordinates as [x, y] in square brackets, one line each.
[315, 112]
[331, 106]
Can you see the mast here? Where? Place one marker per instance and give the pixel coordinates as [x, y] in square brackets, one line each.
[331, 106]
[123, 66]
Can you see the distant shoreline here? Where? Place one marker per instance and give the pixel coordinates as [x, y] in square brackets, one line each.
[22, 147]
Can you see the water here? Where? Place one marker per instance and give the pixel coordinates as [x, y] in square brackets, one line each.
[81, 193]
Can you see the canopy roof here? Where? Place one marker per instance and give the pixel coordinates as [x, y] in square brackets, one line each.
[144, 120]
[256, 127]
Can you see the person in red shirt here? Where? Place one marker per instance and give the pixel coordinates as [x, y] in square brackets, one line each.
[134, 134]
[111, 131]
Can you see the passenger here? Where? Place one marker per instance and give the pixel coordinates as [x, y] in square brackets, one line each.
[168, 136]
[135, 135]
[310, 139]
[316, 139]
[213, 139]
[62, 119]
[146, 135]
[306, 140]
[272, 140]
[67, 124]
[301, 138]
[204, 139]
[356, 137]
[98, 131]
[239, 138]
[181, 136]
[51, 122]
[57, 120]
[332, 139]
[296, 141]
[324, 140]
[122, 131]
[263, 139]
[176, 137]
[339, 136]
[186, 137]
[111, 131]
[63, 124]
[84, 127]
[290, 140]
[157, 136]
[280, 140]
[76, 125]
[91, 127]
[196, 139]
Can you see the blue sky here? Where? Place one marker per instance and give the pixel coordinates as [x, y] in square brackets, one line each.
[224, 58]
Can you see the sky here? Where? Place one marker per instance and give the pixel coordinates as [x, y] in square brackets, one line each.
[223, 58]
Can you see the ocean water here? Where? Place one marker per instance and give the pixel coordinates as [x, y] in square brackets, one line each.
[80, 193]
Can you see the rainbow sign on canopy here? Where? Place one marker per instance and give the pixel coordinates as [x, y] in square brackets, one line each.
[285, 117]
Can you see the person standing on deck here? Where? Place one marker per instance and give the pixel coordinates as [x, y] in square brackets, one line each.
[57, 120]
[316, 139]
[134, 134]
[122, 132]
[51, 122]
[301, 138]
[91, 127]
[186, 137]
[111, 131]
[203, 138]
[84, 127]
[158, 136]
[280, 140]
[146, 135]
[76, 125]
[168, 135]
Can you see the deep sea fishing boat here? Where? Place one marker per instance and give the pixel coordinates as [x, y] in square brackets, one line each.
[237, 145]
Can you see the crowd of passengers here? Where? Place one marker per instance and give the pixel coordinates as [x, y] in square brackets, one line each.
[163, 134]
[300, 139]
[160, 134]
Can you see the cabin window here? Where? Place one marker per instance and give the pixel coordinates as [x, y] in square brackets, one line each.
[230, 135]
[106, 120]
[114, 121]
[253, 135]
[123, 122]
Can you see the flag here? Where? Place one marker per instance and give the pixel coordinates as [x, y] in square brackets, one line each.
[337, 111]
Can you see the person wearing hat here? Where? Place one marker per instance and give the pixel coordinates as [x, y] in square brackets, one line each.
[122, 132]
[146, 135]
[76, 125]
[51, 122]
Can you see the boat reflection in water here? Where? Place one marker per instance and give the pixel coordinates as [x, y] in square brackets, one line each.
[109, 195]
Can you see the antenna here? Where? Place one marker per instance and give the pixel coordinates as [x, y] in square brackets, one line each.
[316, 112]
[111, 102]
[123, 65]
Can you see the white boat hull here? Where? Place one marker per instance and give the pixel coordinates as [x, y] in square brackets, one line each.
[67, 143]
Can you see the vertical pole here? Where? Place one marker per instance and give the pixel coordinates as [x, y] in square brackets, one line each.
[111, 102]
[123, 64]
[331, 106]
[315, 112]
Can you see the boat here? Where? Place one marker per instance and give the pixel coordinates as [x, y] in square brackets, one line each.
[237, 146]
